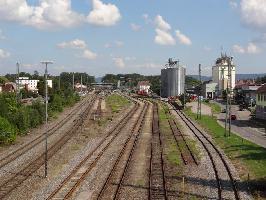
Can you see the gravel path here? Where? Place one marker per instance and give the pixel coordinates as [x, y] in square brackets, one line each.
[205, 110]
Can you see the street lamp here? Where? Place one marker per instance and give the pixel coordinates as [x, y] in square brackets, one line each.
[46, 117]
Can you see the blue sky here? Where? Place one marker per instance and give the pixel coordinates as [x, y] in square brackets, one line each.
[107, 36]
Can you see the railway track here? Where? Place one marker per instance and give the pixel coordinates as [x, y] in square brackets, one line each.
[157, 183]
[20, 176]
[75, 178]
[99, 108]
[33, 143]
[185, 151]
[210, 148]
[117, 174]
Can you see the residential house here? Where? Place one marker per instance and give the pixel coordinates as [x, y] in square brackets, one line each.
[143, 87]
[9, 87]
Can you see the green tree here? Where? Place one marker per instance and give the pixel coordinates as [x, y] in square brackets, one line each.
[7, 132]
[3, 80]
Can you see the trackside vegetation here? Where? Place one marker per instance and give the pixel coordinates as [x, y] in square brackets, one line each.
[249, 158]
[116, 102]
[17, 119]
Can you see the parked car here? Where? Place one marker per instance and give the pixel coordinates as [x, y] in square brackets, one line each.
[233, 117]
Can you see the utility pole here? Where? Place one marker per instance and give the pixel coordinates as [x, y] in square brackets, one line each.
[199, 95]
[230, 90]
[18, 84]
[59, 84]
[46, 118]
[184, 88]
[81, 83]
[73, 81]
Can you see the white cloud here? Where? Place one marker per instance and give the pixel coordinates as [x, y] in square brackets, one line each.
[161, 23]
[116, 43]
[163, 35]
[4, 54]
[57, 14]
[233, 3]
[88, 54]
[238, 49]
[119, 62]
[146, 18]
[135, 27]
[79, 44]
[251, 48]
[183, 39]
[253, 13]
[164, 38]
[103, 14]
[149, 65]
[48, 14]
[74, 44]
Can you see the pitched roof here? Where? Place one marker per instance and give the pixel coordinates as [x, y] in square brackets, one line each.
[262, 89]
[143, 83]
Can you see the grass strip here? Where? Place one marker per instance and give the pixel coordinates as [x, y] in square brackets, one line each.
[249, 158]
[216, 109]
[116, 102]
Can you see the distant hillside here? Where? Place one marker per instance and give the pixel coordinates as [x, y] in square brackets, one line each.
[249, 76]
[203, 78]
[238, 76]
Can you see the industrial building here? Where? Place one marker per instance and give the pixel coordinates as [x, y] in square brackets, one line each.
[220, 74]
[172, 79]
[209, 90]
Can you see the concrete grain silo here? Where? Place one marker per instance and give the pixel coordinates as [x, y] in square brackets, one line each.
[172, 79]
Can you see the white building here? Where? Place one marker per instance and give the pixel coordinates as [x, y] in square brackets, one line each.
[31, 85]
[220, 74]
[209, 90]
[144, 87]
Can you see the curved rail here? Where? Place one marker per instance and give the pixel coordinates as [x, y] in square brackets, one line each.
[188, 121]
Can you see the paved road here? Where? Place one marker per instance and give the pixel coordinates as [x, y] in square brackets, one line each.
[244, 126]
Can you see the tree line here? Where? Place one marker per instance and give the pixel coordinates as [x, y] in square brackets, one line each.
[132, 80]
[17, 118]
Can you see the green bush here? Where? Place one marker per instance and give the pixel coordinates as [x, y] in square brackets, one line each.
[7, 132]
[56, 103]
[22, 120]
